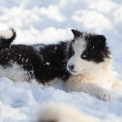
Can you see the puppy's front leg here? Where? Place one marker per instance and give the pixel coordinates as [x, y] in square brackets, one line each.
[90, 88]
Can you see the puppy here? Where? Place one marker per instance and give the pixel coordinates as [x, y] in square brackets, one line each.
[91, 66]
[84, 63]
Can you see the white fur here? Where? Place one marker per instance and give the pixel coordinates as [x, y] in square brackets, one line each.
[15, 72]
[59, 112]
[95, 81]
[6, 34]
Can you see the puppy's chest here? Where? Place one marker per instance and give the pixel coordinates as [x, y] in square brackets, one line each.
[103, 79]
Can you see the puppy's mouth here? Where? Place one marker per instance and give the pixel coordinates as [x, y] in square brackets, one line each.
[76, 73]
[73, 72]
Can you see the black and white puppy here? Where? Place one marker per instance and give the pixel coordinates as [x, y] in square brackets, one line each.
[86, 57]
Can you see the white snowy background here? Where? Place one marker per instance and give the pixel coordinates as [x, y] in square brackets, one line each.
[50, 21]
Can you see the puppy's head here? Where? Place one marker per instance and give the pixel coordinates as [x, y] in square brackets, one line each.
[89, 50]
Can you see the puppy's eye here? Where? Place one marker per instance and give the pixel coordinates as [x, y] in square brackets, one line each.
[83, 56]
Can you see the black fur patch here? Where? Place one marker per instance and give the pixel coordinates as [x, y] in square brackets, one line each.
[71, 50]
[47, 63]
[76, 33]
[96, 48]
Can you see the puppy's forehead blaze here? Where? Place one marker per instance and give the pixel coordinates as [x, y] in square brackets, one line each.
[79, 45]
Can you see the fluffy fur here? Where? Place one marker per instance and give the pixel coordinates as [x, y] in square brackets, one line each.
[54, 112]
[84, 62]
[92, 62]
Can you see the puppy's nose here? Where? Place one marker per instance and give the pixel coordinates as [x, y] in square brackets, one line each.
[71, 66]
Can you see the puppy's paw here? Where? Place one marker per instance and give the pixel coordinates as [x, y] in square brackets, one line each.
[105, 95]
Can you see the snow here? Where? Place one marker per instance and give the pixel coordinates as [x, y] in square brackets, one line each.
[47, 63]
[50, 22]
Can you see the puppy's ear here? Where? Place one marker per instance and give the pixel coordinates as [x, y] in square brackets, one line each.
[76, 33]
[100, 41]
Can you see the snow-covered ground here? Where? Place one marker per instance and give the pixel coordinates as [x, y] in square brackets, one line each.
[50, 21]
